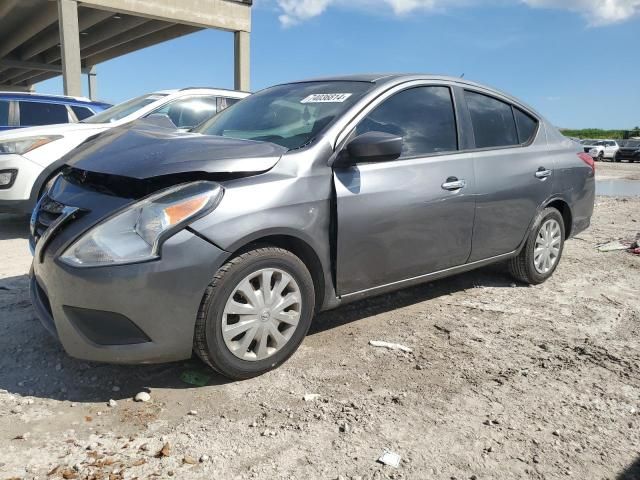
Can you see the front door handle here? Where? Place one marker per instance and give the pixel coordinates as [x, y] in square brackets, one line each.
[453, 183]
[543, 173]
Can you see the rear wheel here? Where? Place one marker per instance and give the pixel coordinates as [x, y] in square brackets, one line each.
[542, 252]
[255, 313]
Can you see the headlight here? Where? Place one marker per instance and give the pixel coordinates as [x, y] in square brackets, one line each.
[23, 145]
[136, 233]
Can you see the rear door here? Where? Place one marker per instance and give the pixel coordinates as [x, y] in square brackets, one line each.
[401, 219]
[514, 173]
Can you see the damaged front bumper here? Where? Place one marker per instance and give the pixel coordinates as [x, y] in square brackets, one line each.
[133, 313]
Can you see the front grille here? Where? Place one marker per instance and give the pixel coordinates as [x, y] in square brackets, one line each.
[47, 212]
[587, 149]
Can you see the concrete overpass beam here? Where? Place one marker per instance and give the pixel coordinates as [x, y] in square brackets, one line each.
[70, 46]
[242, 60]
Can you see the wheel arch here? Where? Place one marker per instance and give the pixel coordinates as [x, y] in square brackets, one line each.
[295, 244]
[565, 210]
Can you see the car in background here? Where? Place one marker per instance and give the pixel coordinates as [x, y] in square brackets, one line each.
[601, 149]
[31, 157]
[21, 109]
[228, 239]
[629, 150]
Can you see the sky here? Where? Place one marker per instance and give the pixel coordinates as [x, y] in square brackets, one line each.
[575, 61]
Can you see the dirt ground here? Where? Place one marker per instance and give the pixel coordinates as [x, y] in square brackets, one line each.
[504, 382]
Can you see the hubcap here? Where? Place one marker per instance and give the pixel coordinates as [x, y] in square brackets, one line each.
[261, 314]
[547, 248]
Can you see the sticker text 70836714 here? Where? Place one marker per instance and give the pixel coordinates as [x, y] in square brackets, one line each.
[326, 98]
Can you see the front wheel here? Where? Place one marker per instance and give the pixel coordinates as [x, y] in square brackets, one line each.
[540, 255]
[255, 313]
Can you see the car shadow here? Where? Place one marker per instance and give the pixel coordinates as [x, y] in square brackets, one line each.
[491, 276]
[632, 472]
[34, 364]
[13, 226]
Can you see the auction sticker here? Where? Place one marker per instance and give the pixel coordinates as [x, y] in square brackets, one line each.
[326, 98]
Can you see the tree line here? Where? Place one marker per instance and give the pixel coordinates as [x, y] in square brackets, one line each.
[597, 133]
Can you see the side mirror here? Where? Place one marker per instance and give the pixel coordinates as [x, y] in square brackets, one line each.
[370, 147]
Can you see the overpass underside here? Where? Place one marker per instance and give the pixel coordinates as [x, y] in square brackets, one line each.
[41, 39]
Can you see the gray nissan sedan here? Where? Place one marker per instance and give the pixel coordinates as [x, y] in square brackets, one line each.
[227, 240]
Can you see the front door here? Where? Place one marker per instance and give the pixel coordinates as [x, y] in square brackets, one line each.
[411, 216]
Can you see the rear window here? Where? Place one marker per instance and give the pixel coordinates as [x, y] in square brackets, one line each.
[4, 113]
[493, 121]
[527, 126]
[81, 112]
[40, 113]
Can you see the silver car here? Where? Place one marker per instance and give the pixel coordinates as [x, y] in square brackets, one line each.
[227, 240]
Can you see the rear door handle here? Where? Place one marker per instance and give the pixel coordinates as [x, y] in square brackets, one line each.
[543, 173]
[453, 183]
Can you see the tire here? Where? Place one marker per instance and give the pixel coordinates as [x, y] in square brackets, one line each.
[523, 267]
[600, 157]
[244, 273]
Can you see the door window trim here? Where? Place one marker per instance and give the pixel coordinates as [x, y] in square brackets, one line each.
[462, 114]
[533, 138]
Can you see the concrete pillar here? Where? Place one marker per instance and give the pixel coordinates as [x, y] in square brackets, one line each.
[70, 46]
[92, 78]
[241, 60]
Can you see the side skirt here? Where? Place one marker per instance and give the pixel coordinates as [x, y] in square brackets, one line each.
[390, 287]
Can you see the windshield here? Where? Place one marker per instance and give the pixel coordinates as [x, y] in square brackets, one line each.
[289, 115]
[123, 109]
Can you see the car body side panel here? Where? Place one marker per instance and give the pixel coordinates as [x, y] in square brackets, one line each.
[292, 199]
[574, 180]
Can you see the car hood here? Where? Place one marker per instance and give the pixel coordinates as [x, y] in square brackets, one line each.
[58, 129]
[142, 150]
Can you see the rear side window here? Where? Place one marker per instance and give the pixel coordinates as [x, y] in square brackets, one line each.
[81, 112]
[39, 113]
[422, 116]
[527, 126]
[493, 122]
[4, 113]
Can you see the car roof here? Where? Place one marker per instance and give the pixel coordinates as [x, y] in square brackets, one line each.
[49, 98]
[204, 90]
[380, 79]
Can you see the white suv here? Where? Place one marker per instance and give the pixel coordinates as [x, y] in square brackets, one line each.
[601, 149]
[31, 157]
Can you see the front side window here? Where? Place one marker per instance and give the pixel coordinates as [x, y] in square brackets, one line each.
[422, 116]
[40, 113]
[493, 121]
[190, 111]
[289, 115]
[124, 109]
[4, 113]
[527, 126]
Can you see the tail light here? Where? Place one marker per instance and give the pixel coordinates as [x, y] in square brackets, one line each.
[588, 159]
